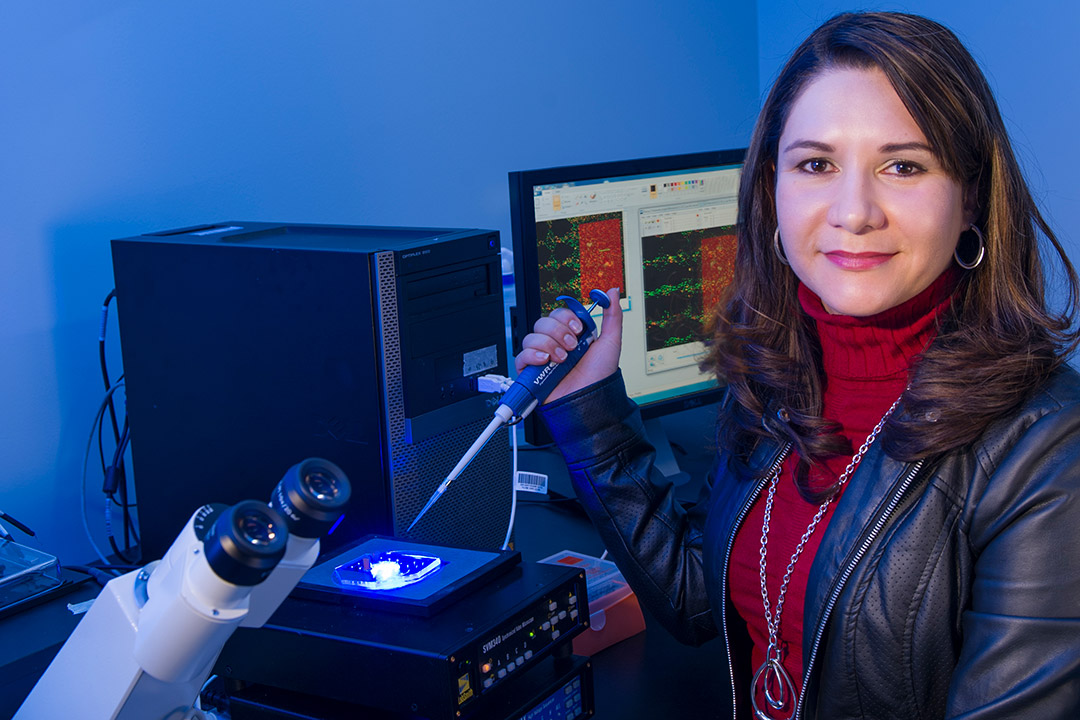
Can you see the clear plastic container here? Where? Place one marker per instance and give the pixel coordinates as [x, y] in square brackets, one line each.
[614, 613]
[25, 572]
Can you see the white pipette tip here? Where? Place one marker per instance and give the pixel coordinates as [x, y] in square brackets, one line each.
[502, 414]
[435, 496]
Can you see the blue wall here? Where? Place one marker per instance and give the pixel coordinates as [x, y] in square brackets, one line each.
[129, 116]
[1030, 55]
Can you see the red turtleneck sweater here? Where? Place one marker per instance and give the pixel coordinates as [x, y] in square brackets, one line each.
[866, 363]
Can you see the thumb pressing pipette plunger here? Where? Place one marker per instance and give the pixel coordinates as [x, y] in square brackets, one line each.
[531, 388]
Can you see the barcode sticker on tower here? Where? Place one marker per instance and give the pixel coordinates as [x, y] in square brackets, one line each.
[531, 482]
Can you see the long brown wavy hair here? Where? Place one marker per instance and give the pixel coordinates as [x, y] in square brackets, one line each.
[998, 341]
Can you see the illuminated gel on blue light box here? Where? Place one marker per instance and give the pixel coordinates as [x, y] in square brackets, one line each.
[397, 575]
[385, 570]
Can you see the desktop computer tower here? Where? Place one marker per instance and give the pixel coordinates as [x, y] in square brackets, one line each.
[248, 347]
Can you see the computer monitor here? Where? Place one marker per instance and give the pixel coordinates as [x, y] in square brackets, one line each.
[661, 229]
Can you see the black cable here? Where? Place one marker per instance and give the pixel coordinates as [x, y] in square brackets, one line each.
[549, 501]
[118, 454]
[102, 573]
[101, 359]
[116, 548]
[557, 502]
[118, 567]
[101, 448]
[95, 427]
[215, 694]
[109, 487]
[121, 444]
[117, 468]
[130, 534]
[99, 576]
[16, 523]
[112, 538]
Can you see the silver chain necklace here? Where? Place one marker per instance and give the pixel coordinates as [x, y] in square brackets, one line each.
[778, 686]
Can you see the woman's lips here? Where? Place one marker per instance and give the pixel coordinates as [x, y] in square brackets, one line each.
[857, 261]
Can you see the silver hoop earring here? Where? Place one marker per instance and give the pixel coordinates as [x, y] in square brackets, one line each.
[971, 265]
[776, 246]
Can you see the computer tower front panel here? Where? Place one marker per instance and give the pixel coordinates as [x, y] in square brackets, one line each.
[442, 327]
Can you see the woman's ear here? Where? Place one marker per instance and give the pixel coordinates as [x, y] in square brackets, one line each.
[971, 204]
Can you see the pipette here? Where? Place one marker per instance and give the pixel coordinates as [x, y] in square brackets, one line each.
[531, 388]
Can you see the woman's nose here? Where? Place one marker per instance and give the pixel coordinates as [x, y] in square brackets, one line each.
[854, 206]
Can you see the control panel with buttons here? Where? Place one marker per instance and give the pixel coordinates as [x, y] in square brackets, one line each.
[532, 634]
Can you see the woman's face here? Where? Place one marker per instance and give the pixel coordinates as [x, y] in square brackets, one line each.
[868, 216]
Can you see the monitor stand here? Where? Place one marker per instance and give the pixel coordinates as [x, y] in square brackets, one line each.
[666, 463]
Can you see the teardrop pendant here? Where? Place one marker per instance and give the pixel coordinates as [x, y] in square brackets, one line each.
[778, 687]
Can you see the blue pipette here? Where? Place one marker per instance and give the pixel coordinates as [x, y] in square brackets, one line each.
[531, 388]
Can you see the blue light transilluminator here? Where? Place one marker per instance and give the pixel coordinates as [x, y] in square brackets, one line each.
[386, 570]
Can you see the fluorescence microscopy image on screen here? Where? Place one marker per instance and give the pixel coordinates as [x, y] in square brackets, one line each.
[578, 254]
[684, 274]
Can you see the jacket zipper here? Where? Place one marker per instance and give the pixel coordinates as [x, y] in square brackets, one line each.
[727, 557]
[834, 596]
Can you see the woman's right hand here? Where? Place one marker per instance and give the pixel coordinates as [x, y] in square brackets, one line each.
[555, 335]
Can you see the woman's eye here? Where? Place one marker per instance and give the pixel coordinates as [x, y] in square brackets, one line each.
[815, 165]
[905, 168]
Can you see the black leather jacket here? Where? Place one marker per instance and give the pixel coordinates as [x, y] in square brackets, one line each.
[943, 589]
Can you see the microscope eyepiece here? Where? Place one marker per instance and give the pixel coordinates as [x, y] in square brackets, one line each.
[253, 530]
[311, 497]
[246, 542]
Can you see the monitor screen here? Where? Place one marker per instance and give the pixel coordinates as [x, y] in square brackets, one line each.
[660, 229]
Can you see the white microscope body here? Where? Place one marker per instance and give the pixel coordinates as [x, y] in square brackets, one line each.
[149, 642]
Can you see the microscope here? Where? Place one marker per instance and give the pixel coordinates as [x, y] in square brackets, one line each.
[149, 642]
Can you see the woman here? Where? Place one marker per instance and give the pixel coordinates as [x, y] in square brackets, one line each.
[890, 529]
